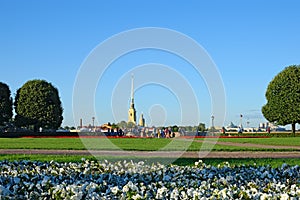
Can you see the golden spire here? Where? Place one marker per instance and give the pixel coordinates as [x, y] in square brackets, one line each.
[132, 91]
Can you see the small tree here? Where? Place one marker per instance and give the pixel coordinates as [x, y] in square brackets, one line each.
[283, 95]
[201, 127]
[175, 128]
[114, 126]
[6, 108]
[122, 124]
[37, 104]
[131, 125]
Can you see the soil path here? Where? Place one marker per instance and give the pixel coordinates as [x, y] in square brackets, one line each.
[169, 154]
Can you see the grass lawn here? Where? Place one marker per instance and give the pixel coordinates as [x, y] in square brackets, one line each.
[181, 161]
[129, 144]
[41, 143]
[287, 141]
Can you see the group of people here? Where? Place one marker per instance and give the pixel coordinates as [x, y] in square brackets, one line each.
[158, 133]
[115, 132]
[143, 132]
[165, 133]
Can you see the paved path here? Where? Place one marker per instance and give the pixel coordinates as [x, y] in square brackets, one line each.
[169, 154]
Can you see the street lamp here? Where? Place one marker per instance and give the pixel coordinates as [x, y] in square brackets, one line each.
[93, 118]
[241, 121]
[212, 123]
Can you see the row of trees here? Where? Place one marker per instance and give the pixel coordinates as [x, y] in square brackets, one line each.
[37, 104]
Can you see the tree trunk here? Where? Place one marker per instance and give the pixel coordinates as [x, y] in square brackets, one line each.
[294, 129]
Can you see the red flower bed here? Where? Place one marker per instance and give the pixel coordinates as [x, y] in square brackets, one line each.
[98, 136]
[77, 136]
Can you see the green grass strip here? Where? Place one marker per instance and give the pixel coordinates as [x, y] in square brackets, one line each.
[288, 141]
[128, 144]
[274, 162]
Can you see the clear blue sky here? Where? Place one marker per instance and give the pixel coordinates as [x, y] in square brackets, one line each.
[249, 41]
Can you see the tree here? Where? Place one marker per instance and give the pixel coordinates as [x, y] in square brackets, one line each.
[6, 106]
[131, 125]
[175, 128]
[37, 104]
[201, 127]
[114, 126]
[122, 124]
[283, 94]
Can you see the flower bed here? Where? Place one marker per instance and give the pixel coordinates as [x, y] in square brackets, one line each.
[129, 180]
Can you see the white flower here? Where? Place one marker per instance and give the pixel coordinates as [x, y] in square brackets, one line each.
[161, 192]
[77, 196]
[174, 194]
[114, 190]
[223, 193]
[106, 180]
[136, 197]
[264, 197]
[284, 196]
[183, 195]
[125, 188]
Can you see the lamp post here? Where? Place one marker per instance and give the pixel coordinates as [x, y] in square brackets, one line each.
[241, 121]
[93, 118]
[212, 123]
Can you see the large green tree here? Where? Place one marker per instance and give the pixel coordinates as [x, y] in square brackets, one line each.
[6, 106]
[283, 98]
[37, 104]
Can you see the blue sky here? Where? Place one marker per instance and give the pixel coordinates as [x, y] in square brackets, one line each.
[249, 41]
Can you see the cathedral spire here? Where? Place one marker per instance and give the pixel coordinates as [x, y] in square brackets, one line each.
[132, 111]
[132, 91]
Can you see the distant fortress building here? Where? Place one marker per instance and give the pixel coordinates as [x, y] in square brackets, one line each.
[132, 111]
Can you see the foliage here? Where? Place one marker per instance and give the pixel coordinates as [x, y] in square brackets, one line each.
[122, 124]
[175, 128]
[130, 125]
[38, 104]
[114, 126]
[6, 108]
[283, 94]
[201, 127]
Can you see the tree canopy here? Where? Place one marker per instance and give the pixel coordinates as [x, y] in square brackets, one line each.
[201, 127]
[37, 103]
[6, 105]
[283, 98]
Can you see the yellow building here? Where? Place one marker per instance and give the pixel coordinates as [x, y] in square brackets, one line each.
[142, 121]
